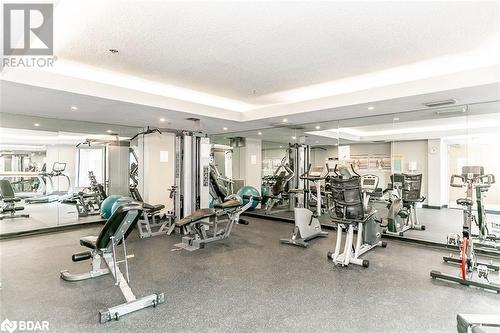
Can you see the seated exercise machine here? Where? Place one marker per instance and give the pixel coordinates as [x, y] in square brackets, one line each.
[473, 178]
[8, 201]
[478, 323]
[220, 186]
[58, 169]
[405, 193]
[152, 222]
[201, 231]
[351, 211]
[278, 183]
[104, 246]
[88, 201]
[307, 225]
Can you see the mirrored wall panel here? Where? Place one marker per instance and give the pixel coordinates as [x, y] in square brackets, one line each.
[59, 172]
[416, 167]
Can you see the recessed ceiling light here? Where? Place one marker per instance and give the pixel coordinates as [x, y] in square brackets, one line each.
[36, 124]
[260, 133]
[285, 120]
[293, 138]
[74, 108]
[109, 131]
[281, 146]
[317, 141]
[163, 120]
[371, 108]
[396, 118]
[318, 127]
[114, 51]
[225, 128]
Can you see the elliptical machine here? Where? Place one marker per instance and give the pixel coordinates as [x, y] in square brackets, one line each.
[472, 178]
[307, 225]
[351, 211]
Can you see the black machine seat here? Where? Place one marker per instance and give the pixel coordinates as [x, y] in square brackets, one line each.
[152, 208]
[89, 241]
[129, 213]
[200, 214]
[464, 202]
[232, 203]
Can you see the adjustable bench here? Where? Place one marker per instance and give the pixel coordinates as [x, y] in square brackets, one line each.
[8, 201]
[114, 233]
[202, 231]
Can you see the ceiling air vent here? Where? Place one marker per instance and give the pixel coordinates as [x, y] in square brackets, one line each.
[441, 103]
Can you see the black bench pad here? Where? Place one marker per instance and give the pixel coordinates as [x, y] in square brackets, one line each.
[200, 214]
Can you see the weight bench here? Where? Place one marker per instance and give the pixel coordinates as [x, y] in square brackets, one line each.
[202, 231]
[114, 233]
[478, 323]
[8, 201]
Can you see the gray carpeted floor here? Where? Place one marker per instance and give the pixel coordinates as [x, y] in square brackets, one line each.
[249, 282]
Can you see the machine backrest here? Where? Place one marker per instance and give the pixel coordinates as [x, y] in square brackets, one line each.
[279, 185]
[119, 225]
[397, 181]
[216, 186]
[412, 186]
[471, 171]
[6, 190]
[348, 198]
[135, 194]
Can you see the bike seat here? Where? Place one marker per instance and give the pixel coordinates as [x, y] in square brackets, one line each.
[464, 202]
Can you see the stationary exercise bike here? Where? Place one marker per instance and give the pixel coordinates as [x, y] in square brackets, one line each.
[404, 195]
[473, 178]
[307, 225]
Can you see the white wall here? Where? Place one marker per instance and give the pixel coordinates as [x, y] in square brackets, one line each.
[270, 155]
[65, 154]
[413, 151]
[118, 169]
[318, 156]
[156, 155]
[437, 179]
[247, 163]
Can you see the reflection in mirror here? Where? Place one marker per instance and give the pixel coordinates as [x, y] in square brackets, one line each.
[411, 155]
[60, 176]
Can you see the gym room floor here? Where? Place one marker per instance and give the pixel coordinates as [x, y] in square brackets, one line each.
[249, 282]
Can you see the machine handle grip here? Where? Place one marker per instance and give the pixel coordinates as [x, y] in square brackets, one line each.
[253, 197]
[452, 181]
[81, 256]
